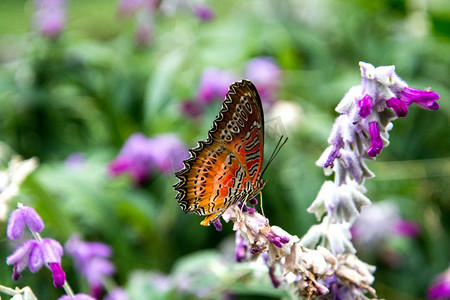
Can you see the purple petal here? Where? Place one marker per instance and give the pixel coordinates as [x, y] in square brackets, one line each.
[376, 143]
[97, 269]
[266, 75]
[99, 249]
[218, 225]
[52, 251]
[134, 158]
[21, 257]
[241, 247]
[253, 201]
[83, 251]
[365, 106]
[203, 12]
[75, 161]
[400, 107]
[16, 274]
[251, 210]
[168, 152]
[407, 228]
[275, 281]
[192, 109]
[50, 17]
[333, 155]
[276, 239]
[129, 7]
[16, 224]
[59, 277]
[213, 85]
[33, 220]
[117, 294]
[425, 99]
[441, 287]
[36, 259]
[145, 33]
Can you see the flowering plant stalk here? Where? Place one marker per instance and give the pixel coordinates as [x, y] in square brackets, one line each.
[34, 253]
[90, 258]
[323, 263]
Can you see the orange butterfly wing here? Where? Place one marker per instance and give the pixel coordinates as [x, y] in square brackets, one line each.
[226, 168]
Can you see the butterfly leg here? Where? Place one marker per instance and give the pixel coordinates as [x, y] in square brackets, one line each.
[260, 199]
[242, 208]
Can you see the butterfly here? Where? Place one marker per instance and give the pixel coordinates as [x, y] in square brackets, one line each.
[226, 168]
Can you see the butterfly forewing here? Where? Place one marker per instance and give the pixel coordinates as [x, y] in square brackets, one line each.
[226, 167]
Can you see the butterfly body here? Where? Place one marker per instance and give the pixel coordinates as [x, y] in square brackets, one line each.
[226, 168]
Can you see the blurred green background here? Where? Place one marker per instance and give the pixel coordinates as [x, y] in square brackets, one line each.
[90, 89]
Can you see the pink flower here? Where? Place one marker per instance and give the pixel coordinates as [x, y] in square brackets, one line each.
[203, 12]
[50, 17]
[440, 289]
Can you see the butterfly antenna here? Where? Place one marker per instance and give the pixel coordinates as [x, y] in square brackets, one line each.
[275, 152]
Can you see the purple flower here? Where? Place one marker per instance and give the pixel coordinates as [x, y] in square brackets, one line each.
[144, 13]
[440, 289]
[400, 107]
[275, 281]
[35, 254]
[192, 108]
[145, 33]
[253, 201]
[375, 224]
[77, 297]
[90, 260]
[376, 143]
[21, 216]
[168, 153]
[117, 294]
[134, 158]
[339, 290]
[203, 12]
[365, 106]
[75, 161]
[274, 238]
[50, 16]
[58, 274]
[332, 156]
[245, 208]
[214, 84]
[406, 228]
[425, 99]
[266, 75]
[241, 247]
[129, 7]
[140, 156]
[218, 225]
